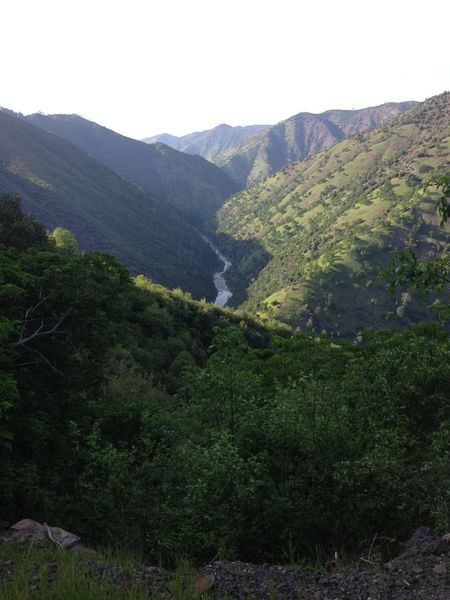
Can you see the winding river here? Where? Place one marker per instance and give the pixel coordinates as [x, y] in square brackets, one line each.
[223, 291]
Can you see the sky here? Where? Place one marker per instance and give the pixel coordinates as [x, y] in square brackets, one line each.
[143, 67]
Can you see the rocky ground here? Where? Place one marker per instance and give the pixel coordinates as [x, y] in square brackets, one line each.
[420, 572]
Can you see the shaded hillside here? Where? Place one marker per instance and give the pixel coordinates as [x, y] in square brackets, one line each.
[192, 185]
[209, 143]
[63, 186]
[330, 222]
[298, 137]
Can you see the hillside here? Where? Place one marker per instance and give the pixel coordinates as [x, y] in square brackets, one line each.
[143, 420]
[63, 186]
[192, 185]
[298, 137]
[209, 143]
[322, 228]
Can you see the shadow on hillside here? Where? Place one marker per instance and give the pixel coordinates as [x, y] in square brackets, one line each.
[248, 258]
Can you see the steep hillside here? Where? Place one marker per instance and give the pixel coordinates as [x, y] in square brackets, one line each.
[324, 226]
[63, 186]
[298, 137]
[195, 187]
[209, 143]
[143, 420]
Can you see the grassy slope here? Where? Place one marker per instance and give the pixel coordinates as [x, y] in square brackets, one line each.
[330, 222]
[298, 137]
[65, 187]
[192, 185]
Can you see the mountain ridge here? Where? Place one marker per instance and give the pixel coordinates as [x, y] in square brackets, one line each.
[329, 222]
[209, 143]
[63, 186]
[298, 137]
[190, 184]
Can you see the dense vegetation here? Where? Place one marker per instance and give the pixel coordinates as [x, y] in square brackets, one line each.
[193, 186]
[138, 417]
[65, 187]
[323, 228]
[296, 138]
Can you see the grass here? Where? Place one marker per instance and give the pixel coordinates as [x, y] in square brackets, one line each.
[47, 573]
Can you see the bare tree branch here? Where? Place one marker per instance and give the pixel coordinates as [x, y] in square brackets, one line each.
[40, 331]
[44, 360]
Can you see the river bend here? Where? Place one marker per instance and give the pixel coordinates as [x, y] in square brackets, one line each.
[223, 291]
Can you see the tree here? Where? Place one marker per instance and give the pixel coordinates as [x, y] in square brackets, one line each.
[407, 269]
[65, 240]
[18, 230]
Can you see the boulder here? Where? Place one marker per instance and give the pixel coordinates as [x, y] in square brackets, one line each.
[33, 532]
[28, 526]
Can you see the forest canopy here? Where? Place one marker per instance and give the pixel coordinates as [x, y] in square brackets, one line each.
[139, 417]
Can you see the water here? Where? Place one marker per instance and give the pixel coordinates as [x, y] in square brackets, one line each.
[223, 291]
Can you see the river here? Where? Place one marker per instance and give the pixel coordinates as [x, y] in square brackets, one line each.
[223, 291]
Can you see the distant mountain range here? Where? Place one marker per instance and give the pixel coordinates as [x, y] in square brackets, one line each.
[250, 154]
[192, 185]
[298, 137]
[321, 228]
[306, 242]
[65, 186]
[210, 143]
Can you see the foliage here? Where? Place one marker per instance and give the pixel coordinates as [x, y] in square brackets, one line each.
[328, 224]
[17, 230]
[138, 417]
[407, 269]
[193, 186]
[442, 184]
[65, 186]
[65, 240]
[257, 157]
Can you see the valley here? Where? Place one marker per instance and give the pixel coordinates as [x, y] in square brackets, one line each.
[223, 291]
[305, 247]
[230, 381]
[331, 223]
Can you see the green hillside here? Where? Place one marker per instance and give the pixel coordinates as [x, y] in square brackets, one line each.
[63, 186]
[171, 429]
[298, 137]
[322, 228]
[192, 185]
[210, 143]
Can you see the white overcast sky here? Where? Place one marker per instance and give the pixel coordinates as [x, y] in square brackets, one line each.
[143, 67]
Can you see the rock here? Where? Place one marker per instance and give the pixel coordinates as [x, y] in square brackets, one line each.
[81, 549]
[62, 537]
[421, 535]
[36, 533]
[424, 541]
[24, 531]
[28, 526]
[440, 569]
[391, 565]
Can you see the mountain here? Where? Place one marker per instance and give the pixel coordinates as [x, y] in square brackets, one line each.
[298, 137]
[191, 184]
[63, 186]
[210, 143]
[320, 229]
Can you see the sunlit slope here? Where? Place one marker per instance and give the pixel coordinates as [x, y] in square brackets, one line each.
[330, 222]
[298, 137]
[63, 186]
